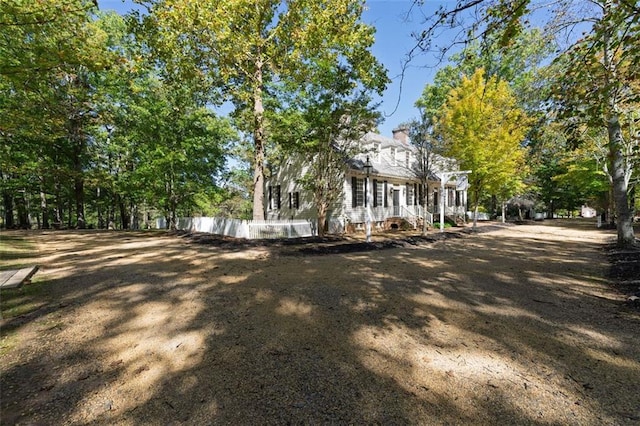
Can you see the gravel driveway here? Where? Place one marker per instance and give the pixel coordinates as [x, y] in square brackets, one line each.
[514, 326]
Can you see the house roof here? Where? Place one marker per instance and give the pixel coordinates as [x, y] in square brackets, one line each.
[385, 141]
[383, 164]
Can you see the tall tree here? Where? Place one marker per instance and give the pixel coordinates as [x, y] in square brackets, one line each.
[325, 124]
[600, 90]
[240, 47]
[421, 135]
[483, 129]
[612, 28]
[47, 56]
[183, 151]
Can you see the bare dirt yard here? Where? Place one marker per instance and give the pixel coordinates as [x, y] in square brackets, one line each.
[516, 325]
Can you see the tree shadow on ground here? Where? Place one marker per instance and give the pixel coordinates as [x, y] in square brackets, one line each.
[184, 333]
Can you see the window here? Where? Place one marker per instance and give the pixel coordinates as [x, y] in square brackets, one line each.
[378, 193]
[294, 200]
[409, 199]
[357, 192]
[407, 159]
[376, 152]
[274, 197]
[385, 191]
[393, 156]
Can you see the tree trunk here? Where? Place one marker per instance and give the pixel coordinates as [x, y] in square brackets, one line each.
[79, 195]
[99, 209]
[124, 216]
[23, 214]
[475, 215]
[44, 210]
[69, 215]
[476, 205]
[133, 217]
[78, 179]
[173, 219]
[258, 140]
[322, 219]
[57, 213]
[425, 201]
[624, 224]
[494, 206]
[7, 203]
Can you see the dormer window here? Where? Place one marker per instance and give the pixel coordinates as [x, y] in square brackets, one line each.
[393, 156]
[376, 152]
[407, 159]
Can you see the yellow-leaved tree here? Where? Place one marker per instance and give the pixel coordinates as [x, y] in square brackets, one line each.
[483, 129]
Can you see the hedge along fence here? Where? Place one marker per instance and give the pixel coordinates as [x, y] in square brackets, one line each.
[250, 229]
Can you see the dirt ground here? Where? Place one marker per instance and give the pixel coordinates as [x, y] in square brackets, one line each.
[514, 325]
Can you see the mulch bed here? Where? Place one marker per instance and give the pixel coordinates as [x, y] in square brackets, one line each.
[625, 273]
[332, 244]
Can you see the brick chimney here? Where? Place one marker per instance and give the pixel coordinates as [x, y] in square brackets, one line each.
[401, 134]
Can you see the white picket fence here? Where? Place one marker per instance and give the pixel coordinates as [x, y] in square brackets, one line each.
[250, 229]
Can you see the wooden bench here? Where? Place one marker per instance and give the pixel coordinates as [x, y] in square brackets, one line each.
[14, 278]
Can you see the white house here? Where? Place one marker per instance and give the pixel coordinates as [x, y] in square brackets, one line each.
[395, 189]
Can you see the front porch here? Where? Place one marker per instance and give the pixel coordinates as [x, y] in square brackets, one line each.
[412, 214]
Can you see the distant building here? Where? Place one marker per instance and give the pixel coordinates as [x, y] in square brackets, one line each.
[588, 212]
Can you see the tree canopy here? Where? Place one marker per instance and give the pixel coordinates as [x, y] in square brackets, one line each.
[241, 50]
[592, 75]
[483, 129]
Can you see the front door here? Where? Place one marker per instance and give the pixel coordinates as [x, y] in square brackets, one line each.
[396, 202]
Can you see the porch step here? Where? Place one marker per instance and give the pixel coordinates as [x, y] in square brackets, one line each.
[397, 222]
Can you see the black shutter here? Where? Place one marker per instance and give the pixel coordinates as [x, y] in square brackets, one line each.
[278, 196]
[297, 198]
[270, 206]
[408, 195]
[290, 201]
[375, 193]
[386, 194]
[354, 189]
[415, 194]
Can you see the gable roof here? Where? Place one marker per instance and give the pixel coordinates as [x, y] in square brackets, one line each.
[386, 167]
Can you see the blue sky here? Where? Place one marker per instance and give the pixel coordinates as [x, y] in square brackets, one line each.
[393, 41]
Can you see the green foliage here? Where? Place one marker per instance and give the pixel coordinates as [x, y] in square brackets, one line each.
[593, 82]
[44, 37]
[106, 132]
[600, 92]
[519, 64]
[239, 50]
[325, 123]
[50, 56]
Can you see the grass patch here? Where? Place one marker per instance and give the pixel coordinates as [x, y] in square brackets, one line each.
[436, 225]
[20, 301]
[7, 342]
[13, 249]
[16, 302]
[15, 252]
